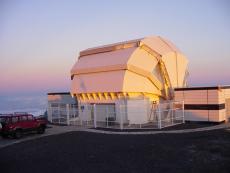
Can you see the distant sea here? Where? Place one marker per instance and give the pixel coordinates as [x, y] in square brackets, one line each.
[34, 104]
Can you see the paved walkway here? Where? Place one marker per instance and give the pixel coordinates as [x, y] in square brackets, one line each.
[51, 130]
[220, 126]
[55, 130]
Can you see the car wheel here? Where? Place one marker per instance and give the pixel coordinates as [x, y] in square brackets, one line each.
[4, 135]
[41, 130]
[18, 134]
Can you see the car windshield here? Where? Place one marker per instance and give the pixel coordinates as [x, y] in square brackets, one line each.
[5, 120]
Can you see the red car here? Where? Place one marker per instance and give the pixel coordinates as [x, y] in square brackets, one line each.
[17, 124]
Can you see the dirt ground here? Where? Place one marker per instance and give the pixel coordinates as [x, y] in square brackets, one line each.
[207, 151]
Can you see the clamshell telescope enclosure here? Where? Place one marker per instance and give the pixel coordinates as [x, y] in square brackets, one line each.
[144, 68]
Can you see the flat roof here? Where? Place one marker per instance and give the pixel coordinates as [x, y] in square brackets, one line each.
[203, 88]
[59, 93]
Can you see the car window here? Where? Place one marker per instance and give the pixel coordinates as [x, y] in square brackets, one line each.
[4, 120]
[23, 118]
[30, 117]
[14, 119]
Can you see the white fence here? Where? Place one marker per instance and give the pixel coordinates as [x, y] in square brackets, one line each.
[121, 115]
[130, 116]
[60, 113]
[167, 114]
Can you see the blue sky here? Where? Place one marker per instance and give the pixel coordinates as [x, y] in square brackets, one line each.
[40, 40]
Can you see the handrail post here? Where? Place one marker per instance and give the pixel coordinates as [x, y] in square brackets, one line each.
[121, 117]
[107, 117]
[59, 113]
[95, 115]
[159, 117]
[183, 111]
[67, 114]
[172, 111]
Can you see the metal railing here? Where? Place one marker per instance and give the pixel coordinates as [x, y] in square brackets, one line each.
[119, 116]
[169, 114]
[59, 113]
[155, 116]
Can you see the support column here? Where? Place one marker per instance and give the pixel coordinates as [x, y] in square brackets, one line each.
[172, 111]
[121, 117]
[95, 115]
[183, 111]
[107, 119]
[67, 114]
[59, 113]
[159, 117]
[50, 113]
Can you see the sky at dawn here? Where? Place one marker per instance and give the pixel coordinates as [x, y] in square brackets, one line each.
[40, 40]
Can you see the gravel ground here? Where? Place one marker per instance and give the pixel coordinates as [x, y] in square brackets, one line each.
[207, 151]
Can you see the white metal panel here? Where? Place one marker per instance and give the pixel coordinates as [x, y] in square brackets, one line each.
[105, 111]
[195, 97]
[227, 107]
[179, 95]
[137, 111]
[214, 97]
[196, 115]
[216, 115]
[227, 93]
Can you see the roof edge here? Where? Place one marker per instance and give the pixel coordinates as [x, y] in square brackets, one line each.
[202, 88]
[59, 93]
[110, 47]
[125, 45]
